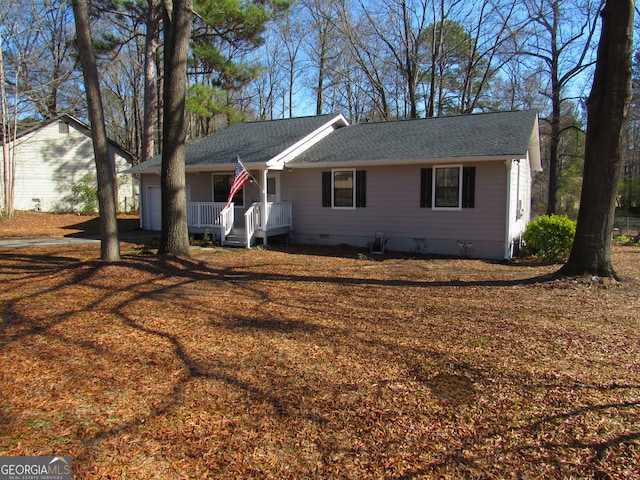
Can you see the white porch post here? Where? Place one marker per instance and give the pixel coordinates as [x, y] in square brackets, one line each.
[265, 214]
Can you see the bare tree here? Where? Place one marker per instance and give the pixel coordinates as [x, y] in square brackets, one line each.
[607, 109]
[401, 26]
[561, 37]
[290, 32]
[43, 52]
[367, 51]
[267, 86]
[491, 30]
[7, 164]
[105, 166]
[322, 43]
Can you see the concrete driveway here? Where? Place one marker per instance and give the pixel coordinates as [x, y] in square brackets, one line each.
[23, 242]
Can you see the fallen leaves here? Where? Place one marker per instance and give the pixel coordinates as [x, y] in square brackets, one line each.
[302, 363]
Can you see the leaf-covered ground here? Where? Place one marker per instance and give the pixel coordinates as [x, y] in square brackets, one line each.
[317, 363]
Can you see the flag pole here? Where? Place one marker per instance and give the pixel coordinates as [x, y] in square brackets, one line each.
[248, 171]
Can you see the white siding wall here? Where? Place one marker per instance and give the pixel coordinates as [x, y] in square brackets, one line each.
[393, 207]
[520, 200]
[49, 161]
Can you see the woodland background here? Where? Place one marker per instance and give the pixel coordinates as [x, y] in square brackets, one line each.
[370, 61]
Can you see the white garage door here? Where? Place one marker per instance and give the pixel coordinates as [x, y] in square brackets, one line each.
[154, 208]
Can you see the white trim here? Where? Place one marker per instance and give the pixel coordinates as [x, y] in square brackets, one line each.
[333, 202]
[400, 162]
[341, 165]
[433, 187]
[507, 229]
[533, 153]
[278, 162]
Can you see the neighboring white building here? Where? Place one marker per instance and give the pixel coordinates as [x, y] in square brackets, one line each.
[58, 154]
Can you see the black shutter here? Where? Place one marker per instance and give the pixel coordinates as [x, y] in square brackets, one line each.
[326, 189]
[468, 187]
[426, 187]
[361, 188]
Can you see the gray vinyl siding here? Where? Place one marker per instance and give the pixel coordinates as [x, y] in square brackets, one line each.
[393, 207]
[199, 189]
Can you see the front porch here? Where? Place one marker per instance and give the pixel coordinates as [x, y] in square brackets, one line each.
[257, 222]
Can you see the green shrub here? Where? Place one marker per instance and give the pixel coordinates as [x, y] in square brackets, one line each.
[85, 194]
[550, 237]
[622, 239]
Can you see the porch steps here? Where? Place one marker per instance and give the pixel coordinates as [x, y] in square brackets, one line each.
[236, 238]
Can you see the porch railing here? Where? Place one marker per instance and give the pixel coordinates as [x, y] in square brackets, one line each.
[279, 215]
[217, 214]
[251, 221]
[204, 214]
[227, 217]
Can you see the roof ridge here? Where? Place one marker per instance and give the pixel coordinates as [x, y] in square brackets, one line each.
[440, 117]
[303, 117]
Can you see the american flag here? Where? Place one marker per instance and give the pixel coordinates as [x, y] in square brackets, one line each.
[240, 177]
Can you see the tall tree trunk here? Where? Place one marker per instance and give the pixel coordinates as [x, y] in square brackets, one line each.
[437, 40]
[552, 194]
[554, 144]
[177, 27]
[410, 62]
[105, 166]
[7, 191]
[150, 81]
[321, 67]
[607, 109]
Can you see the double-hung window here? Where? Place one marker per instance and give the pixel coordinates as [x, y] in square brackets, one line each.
[344, 191]
[344, 188]
[447, 187]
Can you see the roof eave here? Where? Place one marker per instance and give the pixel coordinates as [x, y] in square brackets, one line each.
[219, 167]
[396, 162]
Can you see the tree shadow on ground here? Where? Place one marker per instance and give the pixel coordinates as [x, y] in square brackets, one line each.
[182, 273]
[91, 227]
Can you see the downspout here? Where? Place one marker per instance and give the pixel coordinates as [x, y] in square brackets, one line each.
[265, 213]
[507, 237]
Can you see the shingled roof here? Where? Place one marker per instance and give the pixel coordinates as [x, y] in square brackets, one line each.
[485, 135]
[253, 141]
[476, 136]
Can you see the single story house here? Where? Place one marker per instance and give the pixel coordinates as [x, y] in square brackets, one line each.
[57, 155]
[456, 185]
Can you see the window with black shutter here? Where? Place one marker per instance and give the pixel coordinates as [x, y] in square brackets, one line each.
[447, 187]
[344, 188]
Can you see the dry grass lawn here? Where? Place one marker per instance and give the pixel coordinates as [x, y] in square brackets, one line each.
[316, 363]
